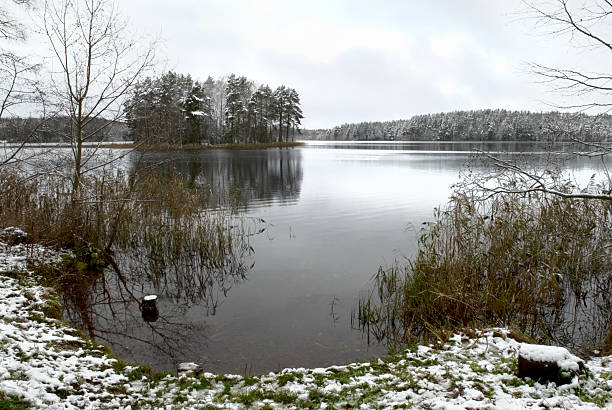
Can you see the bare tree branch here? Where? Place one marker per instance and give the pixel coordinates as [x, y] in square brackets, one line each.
[18, 84]
[510, 177]
[585, 22]
[11, 28]
[590, 22]
[99, 64]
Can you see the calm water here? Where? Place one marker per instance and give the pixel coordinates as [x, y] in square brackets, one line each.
[332, 214]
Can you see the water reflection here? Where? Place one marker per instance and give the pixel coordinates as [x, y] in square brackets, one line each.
[108, 311]
[242, 176]
[191, 282]
[584, 319]
[182, 274]
[331, 218]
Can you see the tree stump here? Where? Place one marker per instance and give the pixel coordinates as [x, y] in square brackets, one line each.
[189, 367]
[149, 310]
[13, 236]
[548, 363]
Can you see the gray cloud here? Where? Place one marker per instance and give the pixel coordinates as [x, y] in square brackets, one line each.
[358, 60]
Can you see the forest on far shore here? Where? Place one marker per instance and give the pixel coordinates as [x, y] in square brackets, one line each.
[479, 125]
[254, 115]
[175, 109]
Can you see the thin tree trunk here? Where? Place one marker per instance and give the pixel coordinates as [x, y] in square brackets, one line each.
[280, 126]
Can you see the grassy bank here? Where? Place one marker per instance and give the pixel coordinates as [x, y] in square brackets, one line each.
[46, 364]
[173, 147]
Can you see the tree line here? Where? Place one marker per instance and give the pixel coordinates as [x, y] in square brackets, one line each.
[482, 125]
[54, 129]
[175, 109]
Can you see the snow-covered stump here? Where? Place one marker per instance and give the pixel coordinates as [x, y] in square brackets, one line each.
[13, 236]
[189, 367]
[149, 310]
[548, 363]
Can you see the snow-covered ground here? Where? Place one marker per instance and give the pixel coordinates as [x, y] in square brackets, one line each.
[49, 365]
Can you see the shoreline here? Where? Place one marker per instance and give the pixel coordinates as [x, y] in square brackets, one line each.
[195, 147]
[44, 363]
[162, 147]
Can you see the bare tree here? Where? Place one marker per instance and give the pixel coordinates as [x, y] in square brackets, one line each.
[586, 23]
[513, 177]
[10, 27]
[98, 62]
[18, 85]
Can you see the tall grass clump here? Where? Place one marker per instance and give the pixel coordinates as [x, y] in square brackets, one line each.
[131, 233]
[539, 264]
[157, 215]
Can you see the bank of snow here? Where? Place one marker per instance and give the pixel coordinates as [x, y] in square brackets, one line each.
[48, 365]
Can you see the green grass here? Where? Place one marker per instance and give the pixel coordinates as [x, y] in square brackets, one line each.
[478, 368]
[319, 379]
[157, 377]
[285, 378]
[251, 397]
[249, 380]
[53, 307]
[513, 382]
[600, 398]
[22, 276]
[179, 398]
[282, 396]
[138, 372]
[203, 384]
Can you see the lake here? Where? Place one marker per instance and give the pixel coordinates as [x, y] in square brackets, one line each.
[324, 218]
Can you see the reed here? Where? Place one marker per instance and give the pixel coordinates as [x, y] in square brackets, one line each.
[156, 215]
[538, 264]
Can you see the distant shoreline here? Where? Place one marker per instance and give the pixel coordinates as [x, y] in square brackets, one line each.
[171, 147]
[164, 147]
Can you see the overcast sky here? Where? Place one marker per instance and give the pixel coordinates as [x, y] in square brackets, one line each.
[358, 60]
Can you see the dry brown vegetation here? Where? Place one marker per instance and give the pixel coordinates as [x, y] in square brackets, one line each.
[539, 264]
[144, 210]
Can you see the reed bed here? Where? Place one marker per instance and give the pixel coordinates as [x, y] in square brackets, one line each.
[540, 265]
[156, 215]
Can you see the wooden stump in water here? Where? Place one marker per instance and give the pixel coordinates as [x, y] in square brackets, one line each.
[149, 310]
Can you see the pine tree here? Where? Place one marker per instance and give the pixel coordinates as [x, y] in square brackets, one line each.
[175, 109]
[294, 114]
[280, 106]
[198, 115]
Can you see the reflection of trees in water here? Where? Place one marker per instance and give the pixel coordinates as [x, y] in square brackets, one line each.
[188, 261]
[109, 312]
[242, 177]
[182, 271]
[586, 316]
